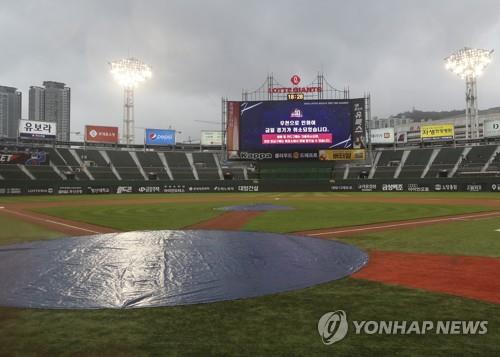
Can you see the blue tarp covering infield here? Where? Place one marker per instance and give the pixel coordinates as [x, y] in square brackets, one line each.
[165, 268]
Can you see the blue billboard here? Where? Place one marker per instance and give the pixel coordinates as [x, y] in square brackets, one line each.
[160, 137]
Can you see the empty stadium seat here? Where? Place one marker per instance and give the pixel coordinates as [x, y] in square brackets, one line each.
[125, 165]
[179, 166]
[152, 164]
[13, 172]
[475, 160]
[446, 159]
[415, 163]
[388, 163]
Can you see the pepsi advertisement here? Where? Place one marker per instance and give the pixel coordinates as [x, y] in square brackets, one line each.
[295, 126]
[160, 137]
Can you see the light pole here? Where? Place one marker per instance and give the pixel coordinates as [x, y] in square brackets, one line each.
[129, 72]
[469, 63]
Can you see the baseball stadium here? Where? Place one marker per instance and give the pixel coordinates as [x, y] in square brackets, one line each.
[297, 229]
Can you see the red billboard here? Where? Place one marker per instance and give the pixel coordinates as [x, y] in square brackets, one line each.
[101, 134]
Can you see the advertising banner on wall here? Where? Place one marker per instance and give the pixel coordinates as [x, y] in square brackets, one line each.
[37, 129]
[401, 137]
[437, 132]
[211, 138]
[160, 137]
[233, 129]
[382, 136]
[24, 158]
[339, 155]
[358, 123]
[491, 128]
[101, 134]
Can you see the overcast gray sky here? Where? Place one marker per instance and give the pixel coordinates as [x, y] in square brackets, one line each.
[203, 50]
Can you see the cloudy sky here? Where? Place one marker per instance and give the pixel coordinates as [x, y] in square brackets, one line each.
[203, 50]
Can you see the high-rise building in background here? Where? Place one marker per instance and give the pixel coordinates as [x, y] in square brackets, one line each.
[52, 102]
[10, 111]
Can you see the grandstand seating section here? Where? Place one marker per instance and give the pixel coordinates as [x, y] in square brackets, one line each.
[475, 160]
[152, 164]
[100, 169]
[125, 165]
[446, 159]
[415, 163]
[206, 166]
[12, 172]
[44, 172]
[102, 165]
[179, 165]
[388, 163]
[495, 164]
[355, 171]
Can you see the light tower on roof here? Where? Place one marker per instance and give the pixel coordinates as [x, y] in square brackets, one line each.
[129, 72]
[469, 63]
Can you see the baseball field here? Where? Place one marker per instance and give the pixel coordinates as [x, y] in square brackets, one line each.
[432, 257]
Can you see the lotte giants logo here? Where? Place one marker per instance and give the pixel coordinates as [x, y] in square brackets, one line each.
[295, 79]
[297, 113]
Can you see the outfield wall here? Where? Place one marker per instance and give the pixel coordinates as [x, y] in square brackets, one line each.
[490, 184]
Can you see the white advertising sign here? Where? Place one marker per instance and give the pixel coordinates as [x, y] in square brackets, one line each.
[491, 128]
[382, 136]
[37, 129]
[211, 138]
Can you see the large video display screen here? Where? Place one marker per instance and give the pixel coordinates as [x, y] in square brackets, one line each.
[293, 129]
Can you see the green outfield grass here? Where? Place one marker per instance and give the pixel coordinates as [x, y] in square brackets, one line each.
[307, 214]
[283, 324]
[458, 238]
[316, 215]
[250, 196]
[138, 217]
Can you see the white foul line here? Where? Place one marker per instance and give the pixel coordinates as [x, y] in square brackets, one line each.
[406, 224]
[50, 221]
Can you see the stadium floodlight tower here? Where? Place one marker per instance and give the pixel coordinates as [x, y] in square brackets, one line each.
[469, 63]
[129, 72]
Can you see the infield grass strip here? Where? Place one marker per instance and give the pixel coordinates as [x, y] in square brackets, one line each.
[283, 324]
[476, 238]
[17, 231]
[317, 215]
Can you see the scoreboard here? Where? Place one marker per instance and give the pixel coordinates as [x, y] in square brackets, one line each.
[293, 129]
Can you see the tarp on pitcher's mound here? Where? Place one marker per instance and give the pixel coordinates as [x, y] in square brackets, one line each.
[163, 268]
